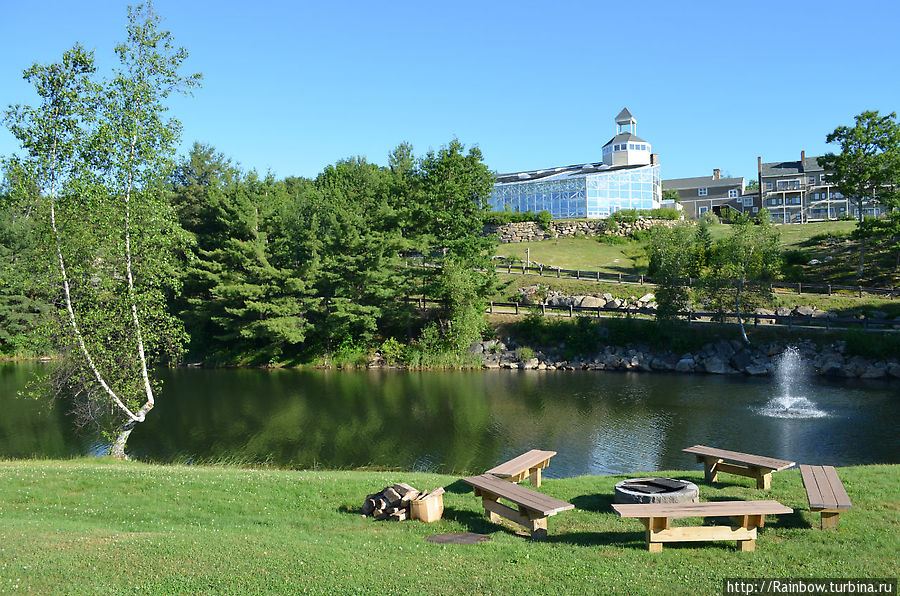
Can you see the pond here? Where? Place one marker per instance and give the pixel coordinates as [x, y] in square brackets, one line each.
[599, 423]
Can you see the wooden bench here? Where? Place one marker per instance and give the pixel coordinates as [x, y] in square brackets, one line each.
[533, 507]
[734, 462]
[825, 492]
[746, 517]
[527, 465]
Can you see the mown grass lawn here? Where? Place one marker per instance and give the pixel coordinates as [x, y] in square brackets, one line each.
[93, 526]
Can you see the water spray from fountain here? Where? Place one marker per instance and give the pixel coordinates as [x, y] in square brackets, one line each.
[791, 400]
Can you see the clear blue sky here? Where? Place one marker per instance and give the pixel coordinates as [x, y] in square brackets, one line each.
[294, 86]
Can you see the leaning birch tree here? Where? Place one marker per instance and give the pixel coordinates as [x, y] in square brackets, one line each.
[99, 153]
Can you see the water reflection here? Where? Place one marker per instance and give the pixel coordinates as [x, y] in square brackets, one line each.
[469, 421]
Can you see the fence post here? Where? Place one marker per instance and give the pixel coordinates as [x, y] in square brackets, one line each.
[892, 292]
[829, 289]
[599, 312]
[642, 280]
[509, 268]
[543, 308]
[799, 288]
[541, 271]
[790, 320]
[859, 288]
[523, 268]
[492, 307]
[558, 272]
[598, 279]
[571, 309]
[620, 278]
[517, 308]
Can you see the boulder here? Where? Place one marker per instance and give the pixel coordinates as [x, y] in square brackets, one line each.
[756, 370]
[894, 370]
[873, 372]
[646, 298]
[741, 360]
[804, 311]
[593, 302]
[716, 366]
[685, 365]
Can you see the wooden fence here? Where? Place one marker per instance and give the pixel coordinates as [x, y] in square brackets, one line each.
[625, 278]
[694, 316]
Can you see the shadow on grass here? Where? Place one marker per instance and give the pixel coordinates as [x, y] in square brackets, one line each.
[598, 503]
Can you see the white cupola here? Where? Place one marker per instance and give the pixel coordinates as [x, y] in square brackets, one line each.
[626, 148]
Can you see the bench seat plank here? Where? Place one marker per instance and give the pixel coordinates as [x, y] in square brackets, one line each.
[841, 499]
[539, 503]
[713, 508]
[758, 461]
[522, 463]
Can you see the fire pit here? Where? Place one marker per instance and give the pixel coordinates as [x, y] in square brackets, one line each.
[656, 490]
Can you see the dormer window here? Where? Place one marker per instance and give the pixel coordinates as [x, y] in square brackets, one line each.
[701, 192]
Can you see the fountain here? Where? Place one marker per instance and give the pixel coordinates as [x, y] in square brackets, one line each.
[790, 402]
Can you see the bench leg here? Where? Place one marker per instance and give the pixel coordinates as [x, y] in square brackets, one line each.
[763, 481]
[747, 546]
[655, 524]
[535, 476]
[538, 528]
[493, 517]
[709, 469]
[829, 520]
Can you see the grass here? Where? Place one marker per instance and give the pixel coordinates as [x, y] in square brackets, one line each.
[828, 242]
[105, 527]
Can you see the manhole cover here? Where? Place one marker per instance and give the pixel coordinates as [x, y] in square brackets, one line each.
[656, 490]
[458, 538]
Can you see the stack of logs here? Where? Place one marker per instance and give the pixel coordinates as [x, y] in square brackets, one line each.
[393, 502]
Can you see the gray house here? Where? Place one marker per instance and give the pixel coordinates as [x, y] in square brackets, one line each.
[798, 192]
[703, 194]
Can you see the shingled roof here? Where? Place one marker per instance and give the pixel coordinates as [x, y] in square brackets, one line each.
[791, 168]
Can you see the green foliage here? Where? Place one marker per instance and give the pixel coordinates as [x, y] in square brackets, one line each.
[96, 153]
[613, 240]
[525, 353]
[675, 254]
[868, 166]
[500, 218]
[670, 194]
[543, 219]
[665, 213]
[624, 216]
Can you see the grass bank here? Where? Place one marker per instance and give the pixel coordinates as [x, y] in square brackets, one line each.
[105, 527]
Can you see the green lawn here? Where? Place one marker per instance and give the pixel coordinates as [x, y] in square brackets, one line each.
[102, 527]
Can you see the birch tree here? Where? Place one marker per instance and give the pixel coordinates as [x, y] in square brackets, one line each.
[98, 153]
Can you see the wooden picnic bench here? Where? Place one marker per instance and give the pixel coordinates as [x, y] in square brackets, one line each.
[746, 517]
[734, 462]
[527, 465]
[825, 492]
[533, 507]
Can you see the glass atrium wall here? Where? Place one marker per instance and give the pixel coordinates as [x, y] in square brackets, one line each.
[587, 195]
[562, 198]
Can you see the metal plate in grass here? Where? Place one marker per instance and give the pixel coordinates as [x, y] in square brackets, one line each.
[458, 538]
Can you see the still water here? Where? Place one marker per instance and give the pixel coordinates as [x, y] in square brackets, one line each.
[600, 423]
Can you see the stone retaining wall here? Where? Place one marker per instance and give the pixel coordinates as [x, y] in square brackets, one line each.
[530, 231]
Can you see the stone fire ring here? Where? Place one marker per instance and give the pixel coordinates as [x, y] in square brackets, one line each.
[656, 490]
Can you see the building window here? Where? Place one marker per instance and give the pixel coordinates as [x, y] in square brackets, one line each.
[812, 179]
[748, 201]
[822, 178]
[768, 186]
[756, 210]
[701, 192]
[703, 210]
[732, 193]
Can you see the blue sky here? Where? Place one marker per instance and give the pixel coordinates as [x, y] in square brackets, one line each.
[291, 87]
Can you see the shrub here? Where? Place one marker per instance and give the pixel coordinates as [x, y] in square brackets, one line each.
[543, 219]
[665, 213]
[625, 216]
[525, 353]
[612, 239]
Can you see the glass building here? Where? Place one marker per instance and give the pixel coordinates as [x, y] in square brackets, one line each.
[627, 178]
